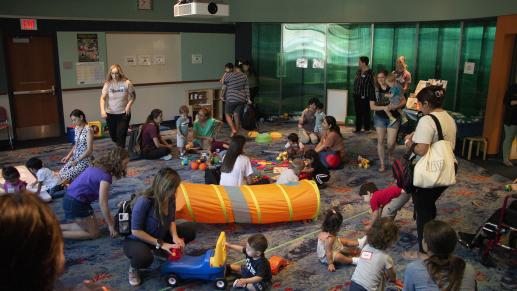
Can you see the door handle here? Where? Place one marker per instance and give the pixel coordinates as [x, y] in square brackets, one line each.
[51, 90]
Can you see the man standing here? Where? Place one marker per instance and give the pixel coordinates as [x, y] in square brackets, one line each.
[364, 90]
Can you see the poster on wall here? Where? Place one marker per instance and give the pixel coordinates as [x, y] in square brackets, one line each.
[159, 59]
[88, 47]
[469, 68]
[130, 60]
[302, 63]
[89, 73]
[318, 64]
[144, 60]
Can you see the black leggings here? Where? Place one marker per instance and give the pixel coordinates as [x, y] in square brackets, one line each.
[425, 208]
[362, 113]
[117, 126]
[156, 153]
[321, 179]
[141, 254]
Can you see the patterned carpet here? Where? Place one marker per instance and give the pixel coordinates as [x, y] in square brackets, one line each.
[103, 263]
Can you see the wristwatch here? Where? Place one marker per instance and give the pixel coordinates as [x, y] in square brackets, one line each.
[159, 244]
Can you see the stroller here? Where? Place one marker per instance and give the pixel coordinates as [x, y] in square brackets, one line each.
[500, 231]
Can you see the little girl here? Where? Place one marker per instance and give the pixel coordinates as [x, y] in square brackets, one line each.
[330, 247]
[315, 168]
[374, 261]
[13, 184]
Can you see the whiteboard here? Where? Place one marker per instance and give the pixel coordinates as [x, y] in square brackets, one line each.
[156, 56]
[337, 103]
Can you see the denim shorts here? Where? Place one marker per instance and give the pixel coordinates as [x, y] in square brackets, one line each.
[76, 209]
[381, 122]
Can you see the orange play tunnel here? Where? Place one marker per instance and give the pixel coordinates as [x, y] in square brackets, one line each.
[259, 204]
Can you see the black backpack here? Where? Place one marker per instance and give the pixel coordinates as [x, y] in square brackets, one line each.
[249, 118]
[135, 142]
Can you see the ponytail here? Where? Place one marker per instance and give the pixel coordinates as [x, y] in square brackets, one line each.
[154, 114]
[446, 272]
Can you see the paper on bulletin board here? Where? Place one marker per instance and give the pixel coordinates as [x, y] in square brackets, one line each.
[159, 59]
[144, 60]
[89, 73]
[469, 68]
[130, 60]
[302, 63]
[197, 59]
[318, 64]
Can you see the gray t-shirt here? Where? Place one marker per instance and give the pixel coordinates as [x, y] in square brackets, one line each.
[118, 95]
[416, 277]
[371, 266]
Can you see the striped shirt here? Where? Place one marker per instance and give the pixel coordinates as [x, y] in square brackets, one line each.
[364, 85]
[237, 87]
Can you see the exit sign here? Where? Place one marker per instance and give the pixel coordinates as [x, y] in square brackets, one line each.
[28, 24]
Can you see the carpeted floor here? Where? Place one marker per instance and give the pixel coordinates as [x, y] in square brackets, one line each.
[102, 262]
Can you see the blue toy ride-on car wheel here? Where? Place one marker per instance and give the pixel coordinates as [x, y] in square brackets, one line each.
[220, 283]
[172, 280]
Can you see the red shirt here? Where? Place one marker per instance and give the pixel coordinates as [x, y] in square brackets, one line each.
[384, 196]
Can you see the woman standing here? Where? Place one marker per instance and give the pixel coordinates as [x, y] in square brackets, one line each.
[252, 80]
[93, 184]
[236, 97]
[120, 95]
[236, 168]
[430, 100]
[153, 145]
[381, 121]
[332, 141]
[80, 157]
[153, 224]
[307, 123]
[510, 123]
[403, 75]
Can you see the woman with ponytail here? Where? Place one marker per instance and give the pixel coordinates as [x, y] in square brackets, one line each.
[332, 142]
[153, 145]
[441, 271]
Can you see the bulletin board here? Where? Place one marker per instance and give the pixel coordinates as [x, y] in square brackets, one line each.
[146, 57]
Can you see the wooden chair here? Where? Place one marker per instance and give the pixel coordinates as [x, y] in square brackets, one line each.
[478, 140]
[4, 124]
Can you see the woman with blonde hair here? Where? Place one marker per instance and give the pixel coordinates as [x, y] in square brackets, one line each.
[117, 98]
[93, 184]
[402, 74]
[31, 240]
[153, 224]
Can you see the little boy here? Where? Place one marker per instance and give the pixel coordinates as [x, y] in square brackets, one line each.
[45, 177]
[293, 146]
[13, 183]
[256, 272]
[182, 129]
[319, 116]
[396, 93]
[290, 175]
[390, 199]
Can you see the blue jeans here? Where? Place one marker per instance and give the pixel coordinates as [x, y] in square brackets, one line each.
[76, 209]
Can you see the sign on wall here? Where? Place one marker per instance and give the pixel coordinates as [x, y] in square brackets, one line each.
[88, 47]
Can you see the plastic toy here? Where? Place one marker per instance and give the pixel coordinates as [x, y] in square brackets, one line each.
[184, 161]
[263, 138]
[253, 134]
[175, 254]
[363, 162]
[202, 167]
[275, 135]
[194, 165]
[282, 156]
[259, 204]
[510, 187]
[277, 264]
[97, 128]
[209, 267]
[333, 161]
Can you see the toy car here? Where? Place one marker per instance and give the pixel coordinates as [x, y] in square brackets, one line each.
[209, 267]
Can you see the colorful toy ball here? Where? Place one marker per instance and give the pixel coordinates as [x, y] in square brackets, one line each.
[202, 167]
[194, 165]
[333, 161]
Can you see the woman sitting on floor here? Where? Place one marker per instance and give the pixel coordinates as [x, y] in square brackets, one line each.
[236, 168]
[441, 270]
[80, 157]
[307, 123]
[153, 145]
[205, 129]
[153, 225]
[93, 184]
[31, 240]
[331, 143]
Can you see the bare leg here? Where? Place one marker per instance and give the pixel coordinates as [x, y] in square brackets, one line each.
[349, 242]
[381, 133]
[237, 121]
[229, 120]
[82, 229]
[392, 139]
[236, 269]
[342, 259]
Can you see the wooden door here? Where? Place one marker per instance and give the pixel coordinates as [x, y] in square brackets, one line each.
[32, 79]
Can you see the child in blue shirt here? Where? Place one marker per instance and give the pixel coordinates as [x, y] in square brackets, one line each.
[319, 116]
[396, 95]
[182, 129]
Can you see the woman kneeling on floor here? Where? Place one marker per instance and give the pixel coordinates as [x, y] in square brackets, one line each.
[331, 144]
[93, 184]
[153, 145]
[153, 225]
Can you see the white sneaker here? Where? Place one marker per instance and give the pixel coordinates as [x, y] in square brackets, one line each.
[167, 157]
[43, 195]
[134, 277]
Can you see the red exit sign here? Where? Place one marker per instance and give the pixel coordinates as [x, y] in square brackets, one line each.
[28, 24]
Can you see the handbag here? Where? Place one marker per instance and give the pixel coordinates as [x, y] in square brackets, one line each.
[403, 170]
[437, 167]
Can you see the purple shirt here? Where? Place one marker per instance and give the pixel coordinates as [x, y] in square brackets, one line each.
[16, 187]
[143, 217]
[85, 188]
[149, 132]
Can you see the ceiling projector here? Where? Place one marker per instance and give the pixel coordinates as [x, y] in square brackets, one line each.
[201, 9]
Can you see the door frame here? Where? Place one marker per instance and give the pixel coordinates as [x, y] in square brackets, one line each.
[59, 96]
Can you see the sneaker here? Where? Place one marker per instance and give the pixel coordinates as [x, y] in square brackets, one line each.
[466, 239]
[134, 277]
[167, 157]
[508, 163]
